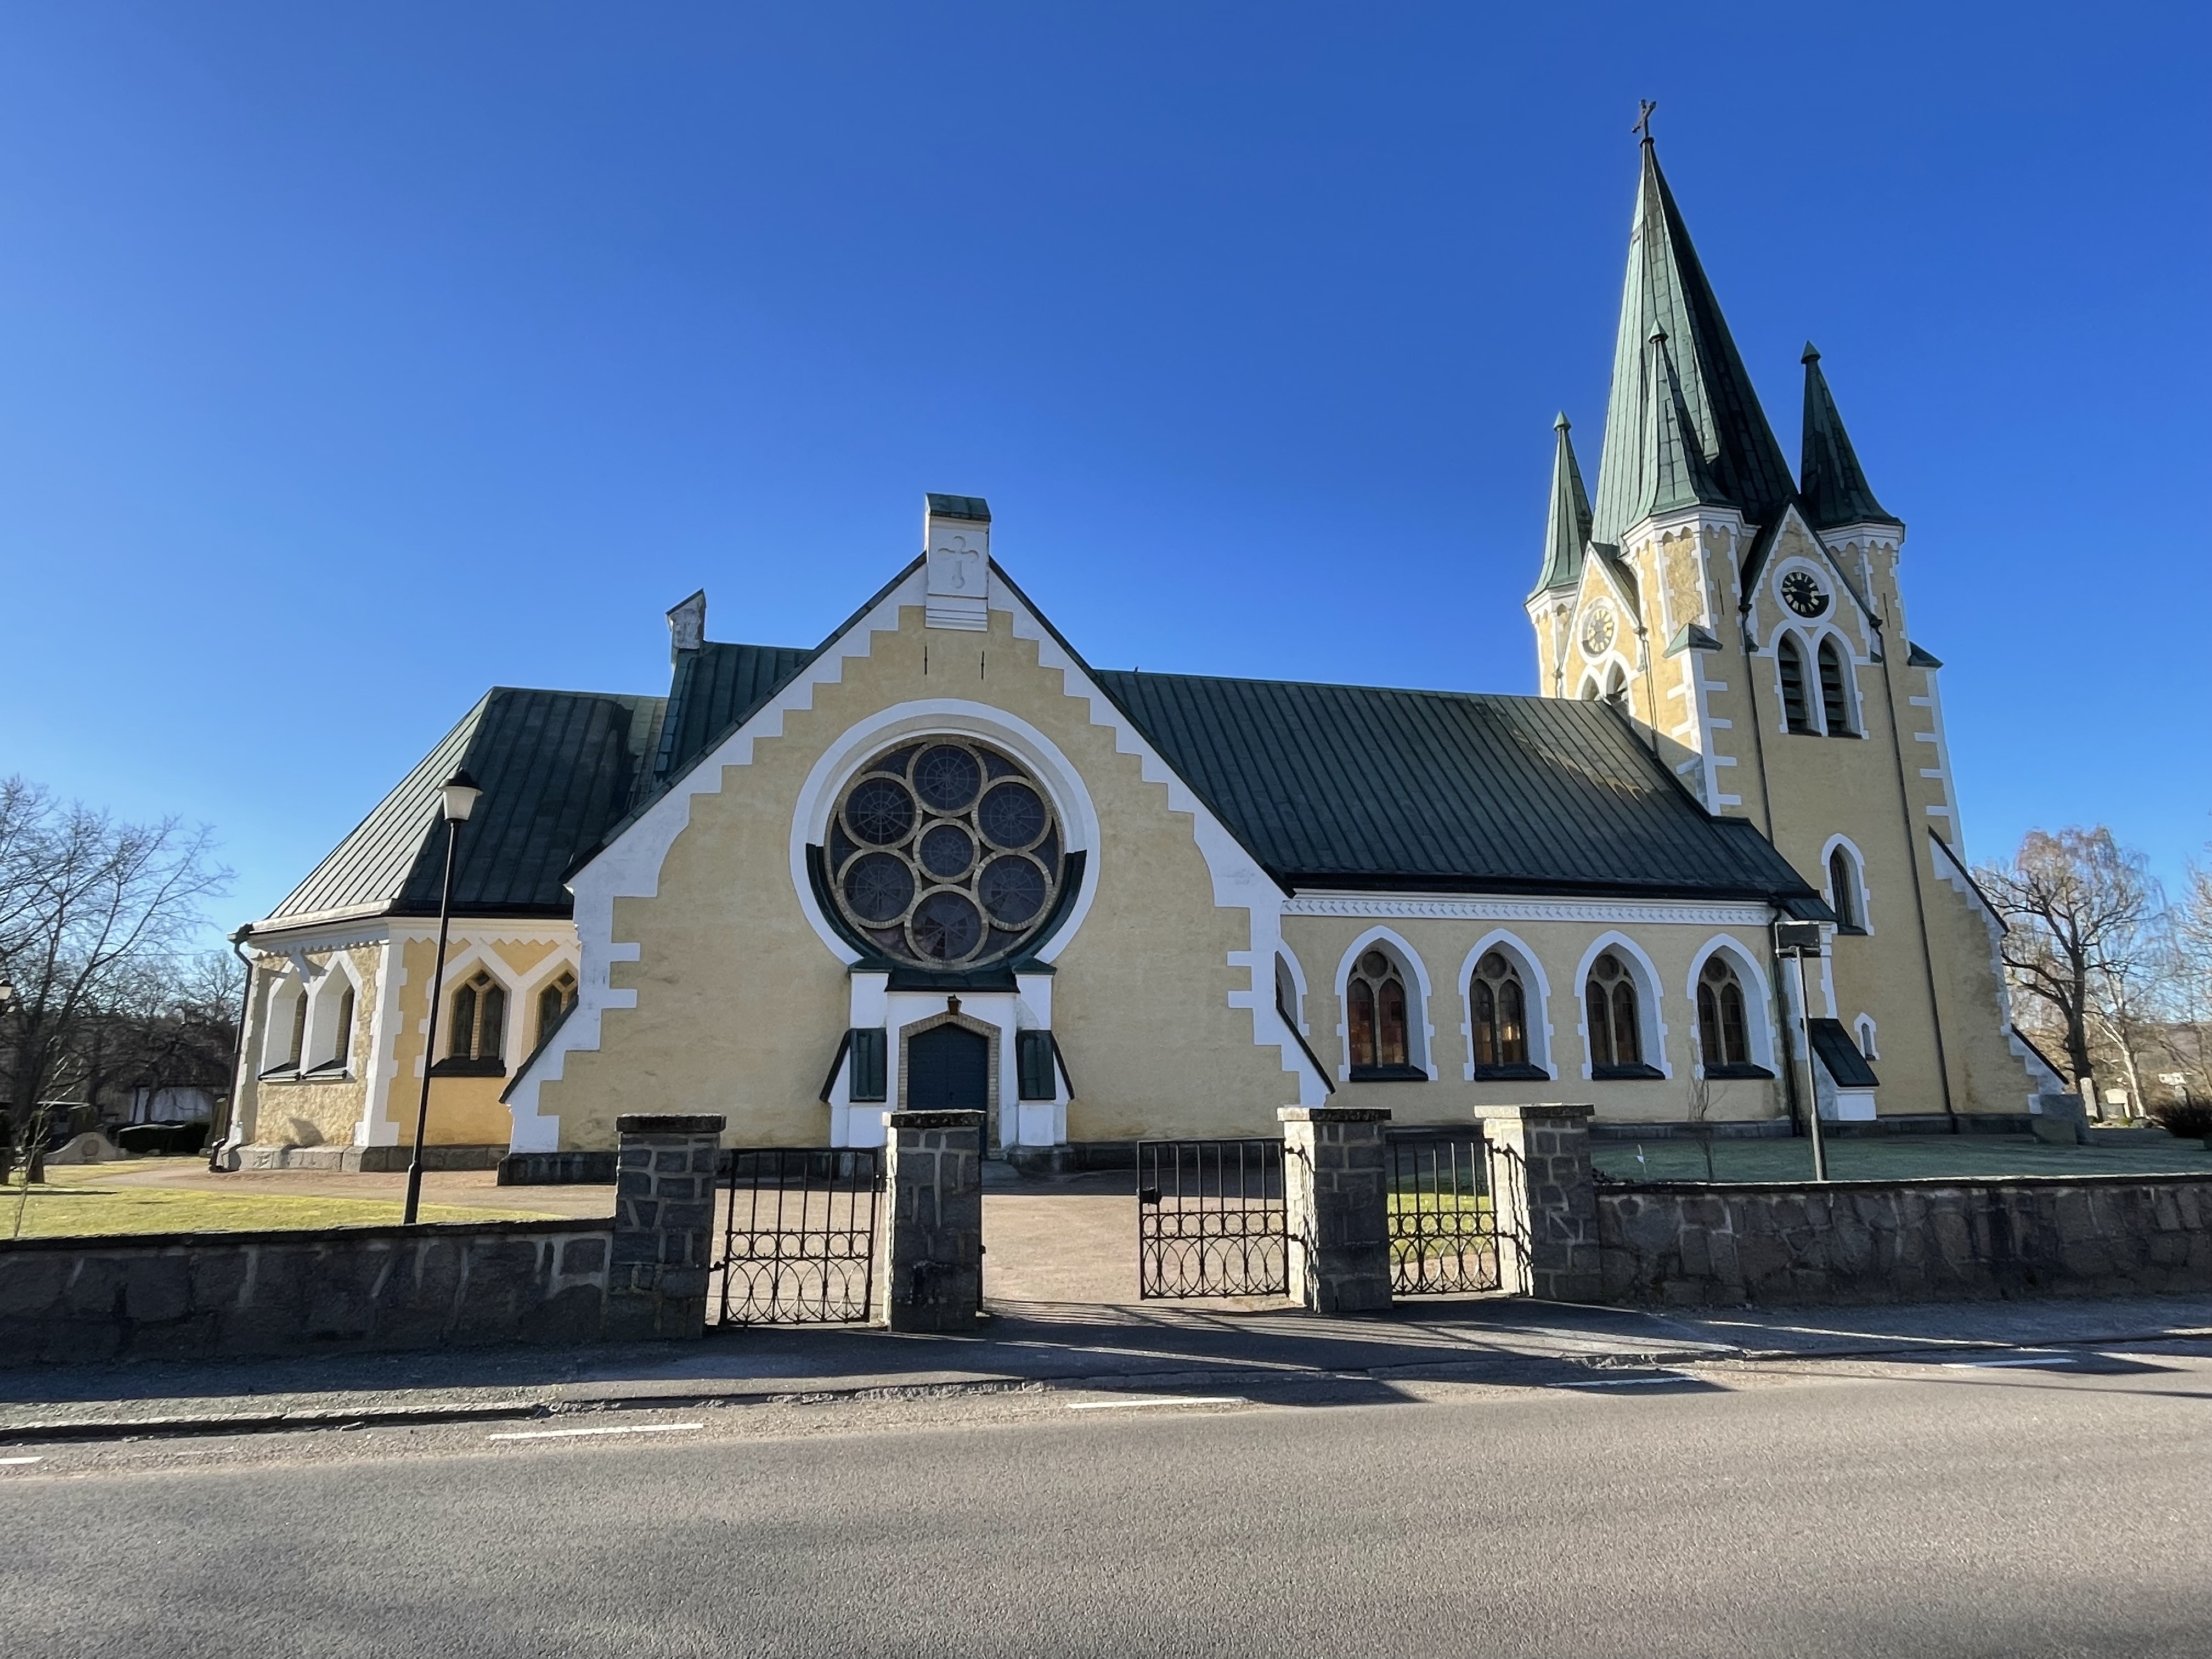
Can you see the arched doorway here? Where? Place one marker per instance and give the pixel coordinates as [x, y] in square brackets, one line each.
[948, 1069]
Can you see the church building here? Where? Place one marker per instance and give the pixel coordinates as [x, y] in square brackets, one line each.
[941, 861]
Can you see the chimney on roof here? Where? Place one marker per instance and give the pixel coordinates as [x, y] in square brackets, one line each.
[687, 626]
[957, 537]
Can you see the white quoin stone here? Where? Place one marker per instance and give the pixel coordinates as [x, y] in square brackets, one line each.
[957, 535]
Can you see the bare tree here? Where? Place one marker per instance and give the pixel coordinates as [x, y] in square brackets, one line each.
[87, 904]
[2080, 910]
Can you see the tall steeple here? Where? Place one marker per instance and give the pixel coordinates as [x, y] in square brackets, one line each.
[1567, 527]
[1666, 291]
[1835, 490]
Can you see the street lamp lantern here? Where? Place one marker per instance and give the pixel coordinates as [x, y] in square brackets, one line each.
[456, 799]
[459, 793]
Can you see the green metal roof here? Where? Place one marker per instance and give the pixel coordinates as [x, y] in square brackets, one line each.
[1364, 786]
[961, 506]
[1845, 1064]
[1673, 463]
[1666, 290]
[556, 768]
[1567, 524]
[1834, 489]
[715, 689]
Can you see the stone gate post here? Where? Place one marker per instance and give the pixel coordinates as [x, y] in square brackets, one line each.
[663, 1249]
[1547, 1201]
[1336, 1193]
[932, 1239]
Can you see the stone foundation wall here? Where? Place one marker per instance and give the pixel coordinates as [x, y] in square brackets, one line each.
[195, 1295]
[1906, 1241]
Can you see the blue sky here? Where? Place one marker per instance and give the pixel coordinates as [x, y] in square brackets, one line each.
[354, 359]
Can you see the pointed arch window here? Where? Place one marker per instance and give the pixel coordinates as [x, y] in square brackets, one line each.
[1724, 1022]
[1835, 702]
[1376, 1022]
[1790, 658]
[554, 1003]
[1498, 1009]
[476, 1032]
[1844, 893]
[1616, 1023]
[340, 1033]
[297, 1054]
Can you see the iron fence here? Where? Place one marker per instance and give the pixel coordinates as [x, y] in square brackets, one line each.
[1211, 1218]
[799, 1235]
[1443, 1223]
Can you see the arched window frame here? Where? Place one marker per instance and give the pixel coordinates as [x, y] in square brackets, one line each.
[1419, 1034]
[288, 1001]
[544, 1021]
[1535, 987]
[1861, 903]
[1800, 718]
[1757, 1007]
[1863, 1030]
[1291, 991]
[1650, 1006]
[333, 1019]
[462, 974]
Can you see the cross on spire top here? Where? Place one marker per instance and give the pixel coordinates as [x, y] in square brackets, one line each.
[1643, 127]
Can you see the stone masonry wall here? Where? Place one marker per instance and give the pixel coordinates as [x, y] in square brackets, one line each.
[1906, 1241]
[192, 1296]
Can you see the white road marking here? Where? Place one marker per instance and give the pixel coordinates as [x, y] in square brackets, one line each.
[22, 1460]
[1993, 1364]
[1160, 1399]
[622, 1428]
[1621, 1382]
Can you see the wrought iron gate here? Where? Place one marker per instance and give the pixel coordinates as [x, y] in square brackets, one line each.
[1444, 1224]
[799, 1236]
[1211, 1218]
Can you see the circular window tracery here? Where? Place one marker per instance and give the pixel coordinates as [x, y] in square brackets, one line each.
[945, 853]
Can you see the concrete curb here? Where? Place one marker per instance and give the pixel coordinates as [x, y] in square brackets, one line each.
[1504, 1367]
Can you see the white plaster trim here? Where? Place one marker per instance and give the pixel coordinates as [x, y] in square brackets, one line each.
[1650, 999]
[1950, 869]
[945, 717]
[1534, 981]
[1754, 978]
[1414, 906]
[1409, 960]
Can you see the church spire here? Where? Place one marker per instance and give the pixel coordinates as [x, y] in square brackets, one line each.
[1835, 487]
[1567, 526]
[1666, 291]
[1674, 465]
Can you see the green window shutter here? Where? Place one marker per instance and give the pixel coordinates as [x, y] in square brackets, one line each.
[1033, 1065]
[867, 1052]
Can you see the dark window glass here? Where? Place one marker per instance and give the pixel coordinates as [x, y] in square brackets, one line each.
[461, 1042]
[1512, 1024]
[1363, 1023]
[1616, 1036]
[1627, 1034]
[555, 1000]
[1500, 1010]
[946, 927]
[1722, 1039]
[880, 812]
[1033, 1065]
[1843, 892]
[1834, 706]
[1391, 999]
[1486, 1024]
[1795, 713]
[868, 1046]
[491, 1021]
[947, 777]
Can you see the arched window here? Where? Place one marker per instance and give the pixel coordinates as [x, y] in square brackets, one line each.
[1866, 1037]
[479, 1021]
[1616, 1031]
[1723, 1033]
[1286, 994]
[1835, 705]
[1376, 1022]
[1591, 690]
[1844, 893]
[554, 1001]
[296, 1054]
[1616, 689]
[1500, 1008]
[340, 1035]
[1796, 714]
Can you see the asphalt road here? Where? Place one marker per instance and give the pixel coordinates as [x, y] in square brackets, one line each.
[2059, 1506]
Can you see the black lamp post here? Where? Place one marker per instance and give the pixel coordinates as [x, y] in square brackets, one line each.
[1799, 940]
[458, 799]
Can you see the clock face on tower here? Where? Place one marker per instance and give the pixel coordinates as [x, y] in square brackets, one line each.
[1802, 594]
[1597, 632]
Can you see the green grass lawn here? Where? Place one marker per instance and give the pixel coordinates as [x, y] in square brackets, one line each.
[1892, 1158]
[78, 1202]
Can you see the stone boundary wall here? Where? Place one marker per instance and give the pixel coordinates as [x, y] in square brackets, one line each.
[1799, 1243]
[199, 1296]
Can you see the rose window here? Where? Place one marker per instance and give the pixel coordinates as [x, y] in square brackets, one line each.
[945, 853]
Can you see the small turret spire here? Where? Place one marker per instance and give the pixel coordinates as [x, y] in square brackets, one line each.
[1567, 526]
[1831, 484]
[1673, 458]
